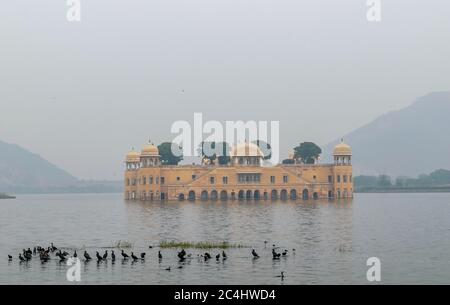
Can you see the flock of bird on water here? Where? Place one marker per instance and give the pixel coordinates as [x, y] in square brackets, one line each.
[44, 255]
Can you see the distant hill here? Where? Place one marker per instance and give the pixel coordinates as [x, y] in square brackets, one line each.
[19, 167]
[24, 172]
[408, 142]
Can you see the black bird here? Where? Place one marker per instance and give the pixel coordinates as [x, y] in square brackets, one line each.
[65, 253]
[285, 252]
[27, 256]
[124, 255]
[275, 254]
[207, 256]
[87, 256]
[53, 248]
[217, 257]
[60, 255]
[224, 255]
[21, 258]
[113, 256]
[134, 257]
[75, 254]
[143, 256]
[29, 251]
[9, 257]
[105, 256]
[182, 255]
[255, 255]
[34, 251]
[159, 255]
[168, 269]
[281, 275]
[150, 247]
[99, 258]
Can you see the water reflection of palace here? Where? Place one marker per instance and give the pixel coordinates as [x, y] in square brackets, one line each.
[244, 178]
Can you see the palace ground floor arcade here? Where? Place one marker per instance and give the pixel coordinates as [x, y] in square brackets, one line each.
[242, 193]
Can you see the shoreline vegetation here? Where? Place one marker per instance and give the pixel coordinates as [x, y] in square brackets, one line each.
[198, 245]
[6, 196]
[436, 182]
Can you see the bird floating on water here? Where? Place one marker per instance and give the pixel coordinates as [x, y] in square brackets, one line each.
[255, 255]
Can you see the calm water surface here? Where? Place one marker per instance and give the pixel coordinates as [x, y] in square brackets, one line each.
[410, 233]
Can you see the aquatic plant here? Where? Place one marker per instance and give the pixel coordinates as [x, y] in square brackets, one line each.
[198, 245]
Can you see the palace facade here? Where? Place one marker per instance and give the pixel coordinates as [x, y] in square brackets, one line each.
[244, 178]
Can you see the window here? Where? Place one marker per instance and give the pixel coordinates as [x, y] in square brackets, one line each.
[225, 180]
[249, 178]
[178, 178]
[144, 180]
[338, 178]
[345, 178]
[157, 180]
[285, 179]
[162, 180]
[330, 179]
[150, 180]
[193, 177]
[314, 178]
[128, 181]
[350, 178]
[272, 179]
[212, 180]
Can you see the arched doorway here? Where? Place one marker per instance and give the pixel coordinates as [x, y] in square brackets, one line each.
[305, 194]
[204, 196]
[223, 195]
[191, 196]
[256, 195]
[293, 195]
[181, 197]
[248, 196]
[274, 195]
[315, 195]
[283, 194]
[214, 195]
[241, 195]
[330, 194]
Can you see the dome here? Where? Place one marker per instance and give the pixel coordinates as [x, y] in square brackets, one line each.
[246, 150]
[150, 150]
[133, 156]
[342, 149]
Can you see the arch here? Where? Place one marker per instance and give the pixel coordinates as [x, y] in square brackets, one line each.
[274, 195]
[204, 195]
[248, 195]
[233, 196]
[241, 195]
[214, 195]
[293, 194]
[181, 197]
[223, 195]
[191, 196]
[315, 196]
[256, 195]
[305, 194]
[283, 194]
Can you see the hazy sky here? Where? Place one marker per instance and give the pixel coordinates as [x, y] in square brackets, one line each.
[81, 94]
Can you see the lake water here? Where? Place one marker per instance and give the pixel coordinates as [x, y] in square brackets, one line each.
[409, 233]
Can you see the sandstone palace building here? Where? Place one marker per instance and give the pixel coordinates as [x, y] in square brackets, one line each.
[244, 178]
